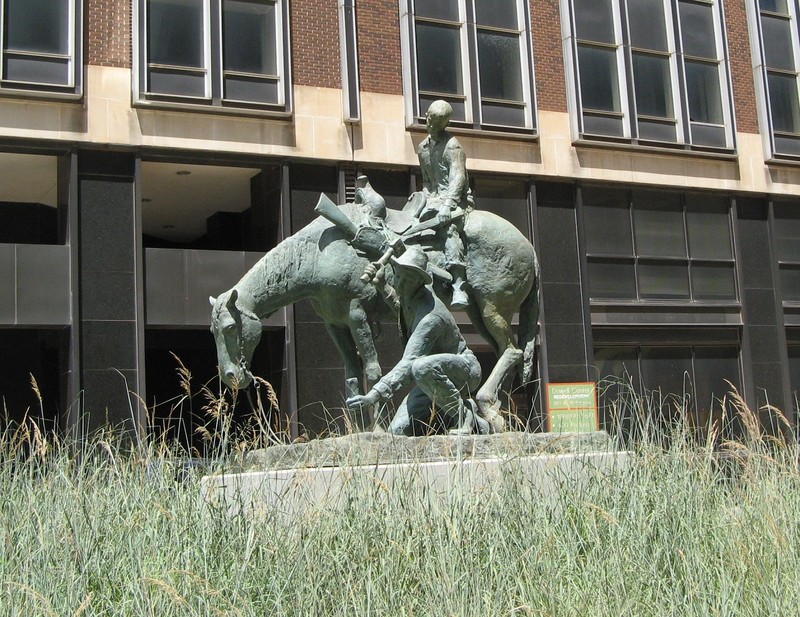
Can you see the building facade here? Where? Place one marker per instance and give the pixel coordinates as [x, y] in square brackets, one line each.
[152, 150]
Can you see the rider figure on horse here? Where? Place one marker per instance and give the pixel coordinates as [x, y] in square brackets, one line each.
[445, 189]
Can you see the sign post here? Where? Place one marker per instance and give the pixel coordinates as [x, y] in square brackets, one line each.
[572, 407]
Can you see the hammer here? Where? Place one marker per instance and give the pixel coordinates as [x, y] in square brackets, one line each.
[396, 247]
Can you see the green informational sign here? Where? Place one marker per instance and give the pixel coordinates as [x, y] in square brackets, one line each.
[572, 407]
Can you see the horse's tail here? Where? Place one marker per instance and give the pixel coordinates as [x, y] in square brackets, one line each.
[529, 326]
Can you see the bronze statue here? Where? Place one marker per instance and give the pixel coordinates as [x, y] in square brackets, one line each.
[436, 359]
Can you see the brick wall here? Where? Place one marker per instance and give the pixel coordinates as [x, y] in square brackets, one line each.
[379, 46]
[315, 43]
[744, 94]
[107, 32]
[548, 58]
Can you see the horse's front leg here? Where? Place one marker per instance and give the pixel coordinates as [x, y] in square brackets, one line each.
[361, 333]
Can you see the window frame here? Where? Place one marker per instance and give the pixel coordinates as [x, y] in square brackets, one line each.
[685, 128]
[213, 98]
[764, 104]
[73, 89]
[636, 259]
[470, 70]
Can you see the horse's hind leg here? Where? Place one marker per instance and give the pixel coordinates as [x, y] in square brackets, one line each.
[509, 356]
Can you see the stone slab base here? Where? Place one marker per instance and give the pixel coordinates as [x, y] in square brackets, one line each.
[381, 448]
[294, 491]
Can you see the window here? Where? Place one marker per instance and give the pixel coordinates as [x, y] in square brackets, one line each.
[652, 386]
[786, 231]
[650, 71]
[41, 45]
[348, 37]
[214, 52]
[473, 54]
[779, 51]
[658, 245]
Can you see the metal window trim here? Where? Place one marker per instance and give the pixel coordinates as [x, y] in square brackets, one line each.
[74, 86]
[214, 99]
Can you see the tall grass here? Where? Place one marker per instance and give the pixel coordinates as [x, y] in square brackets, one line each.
[684, 529]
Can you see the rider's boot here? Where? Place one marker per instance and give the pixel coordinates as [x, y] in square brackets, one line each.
[460, 299]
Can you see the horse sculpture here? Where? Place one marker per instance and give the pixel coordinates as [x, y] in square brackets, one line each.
[320, 264]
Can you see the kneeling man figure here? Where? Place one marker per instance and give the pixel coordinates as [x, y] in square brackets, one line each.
[436, 357]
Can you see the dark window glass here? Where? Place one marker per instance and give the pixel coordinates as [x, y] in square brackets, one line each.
[175, 33]
[790, 283]
[498, 13]
[784, 103]
[37, 26]
[777, 43]
[611, 279]
[651, 76]
[249, 37]
[648, 29]
[505, 197]
[606, 219]
[439, 59]
[667, 375]
[599, 81]
[775, 6]
[665, 280]
[707, 219]
[437, 9]
[716, 373]
[594, 20]
[608, 230]
[499, 66]
[713, 281]
[787, 231]
[705, 98]
[697, 30]
[794, 375]
[658, 224]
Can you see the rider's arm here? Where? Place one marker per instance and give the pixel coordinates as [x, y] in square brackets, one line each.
[457, 178]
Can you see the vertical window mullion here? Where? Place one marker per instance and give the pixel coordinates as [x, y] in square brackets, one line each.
[348, 37]
[215, 76]
[466, 61]
[624, 67]
[472, 87]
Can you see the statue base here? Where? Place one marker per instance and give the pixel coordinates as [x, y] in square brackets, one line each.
[326, 473]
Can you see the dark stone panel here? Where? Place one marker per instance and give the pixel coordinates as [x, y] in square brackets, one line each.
[106, 163]
[555, 194]
[108, 296]
[563, 303]
[558, 247]
[760, 306]
[754, 263]
[559, 373]
[8, 284]
[565, 344]
[768, 386]
[106, 226]
[320, 396]
[108, 344]
[304, 312]
[303, 203]
[106, 398]
[165, 287]
[315, 348]
[764, 344]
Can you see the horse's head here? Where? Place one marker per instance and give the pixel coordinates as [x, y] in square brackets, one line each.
[236, 332]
